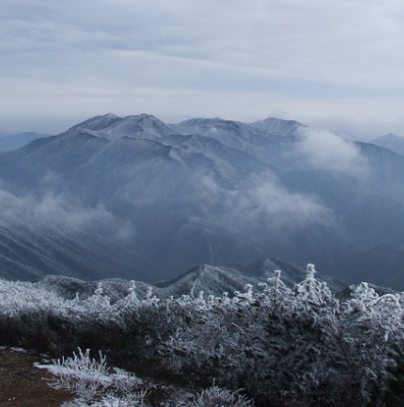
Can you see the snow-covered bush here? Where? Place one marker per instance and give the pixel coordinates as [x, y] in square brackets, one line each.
[218, 397]
[281, 345]
[94, 383]
[108, 401]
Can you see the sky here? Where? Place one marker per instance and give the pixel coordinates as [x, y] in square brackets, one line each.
[335, 65]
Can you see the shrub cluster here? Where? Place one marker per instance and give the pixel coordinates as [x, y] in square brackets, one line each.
[282, 346]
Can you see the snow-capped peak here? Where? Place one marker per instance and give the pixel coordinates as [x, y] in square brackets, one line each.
[96, 123]
[114, 127]
[277, 126]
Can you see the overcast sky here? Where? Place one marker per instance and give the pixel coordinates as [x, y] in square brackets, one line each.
[333, 64]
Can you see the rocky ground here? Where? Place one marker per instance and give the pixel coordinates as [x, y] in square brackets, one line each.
[22, 385]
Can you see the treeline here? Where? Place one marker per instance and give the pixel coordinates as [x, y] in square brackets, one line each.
[282, 346]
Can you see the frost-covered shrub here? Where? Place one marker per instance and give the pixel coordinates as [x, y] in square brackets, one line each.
[108, 401]
[281, 345]
[94, 383]
[292, 345]
[218, 397]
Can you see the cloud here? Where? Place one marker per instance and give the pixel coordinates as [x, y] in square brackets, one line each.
[324, 150]
[63, 213]
[264, 201]
[359, 128]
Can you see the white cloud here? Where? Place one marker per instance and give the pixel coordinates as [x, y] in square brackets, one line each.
[327, 151]
[268, 201]
[264, 201]
[57, 211]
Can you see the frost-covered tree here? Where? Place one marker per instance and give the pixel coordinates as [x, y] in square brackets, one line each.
[280, 345]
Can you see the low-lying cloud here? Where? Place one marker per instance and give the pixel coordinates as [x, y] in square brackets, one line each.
[60, 212]
[268, 201]
[265, 203]
[324, 150]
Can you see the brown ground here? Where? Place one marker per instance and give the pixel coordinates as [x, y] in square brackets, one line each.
[22, 385]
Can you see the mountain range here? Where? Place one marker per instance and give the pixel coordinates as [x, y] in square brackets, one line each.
[10, 142]
[135, 197]
[211, 280]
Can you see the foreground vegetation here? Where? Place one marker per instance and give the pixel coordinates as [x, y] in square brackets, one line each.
[281, 346]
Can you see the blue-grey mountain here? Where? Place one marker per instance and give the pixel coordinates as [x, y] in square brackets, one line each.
[11, 142]
[392, 142]
[136, 197]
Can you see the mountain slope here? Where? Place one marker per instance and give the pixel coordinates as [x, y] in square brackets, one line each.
[11, 142]
[267, 147]
[135, 196]
[211, 280]
[392, 142]
[31, 252]
[382, 265]
[217, 280]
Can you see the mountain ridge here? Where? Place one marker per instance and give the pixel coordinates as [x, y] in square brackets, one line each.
[392, 142]
[208, 191]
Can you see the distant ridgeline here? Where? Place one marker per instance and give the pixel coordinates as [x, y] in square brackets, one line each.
[280, 345]
[138, 198]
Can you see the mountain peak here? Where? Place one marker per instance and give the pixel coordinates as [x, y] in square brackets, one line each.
[111, 115]
[209, 126]
[279, 127]
[113, 127]
[271, 119]
[95, 123]
[144, 116]
[390, 141]
[390, 136]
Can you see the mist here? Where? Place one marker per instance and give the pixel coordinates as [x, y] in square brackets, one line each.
[56, 211]
[265, 203]
[326, 151]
